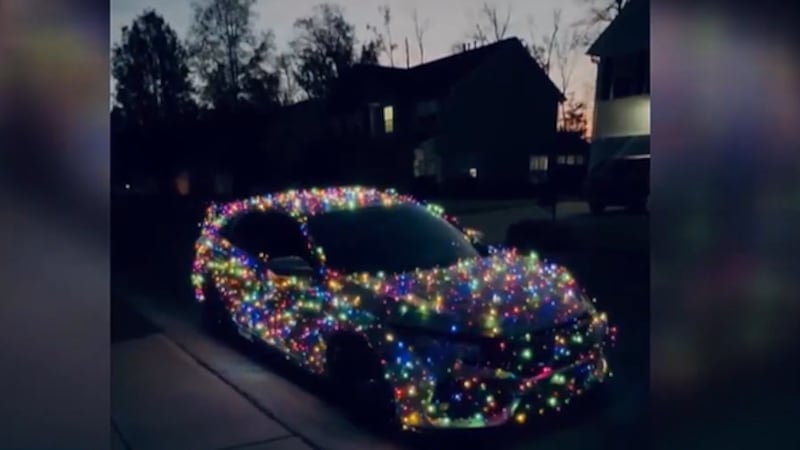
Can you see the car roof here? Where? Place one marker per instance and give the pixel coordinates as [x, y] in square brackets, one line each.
[315, 201]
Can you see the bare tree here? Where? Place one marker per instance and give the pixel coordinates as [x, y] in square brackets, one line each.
[599, 14]
[603, 11]
[408, 57]
[492, 24]
[386, 15]
[573, 118]
[419, 33]
[558, 52]
[564, 50]
[542, 51]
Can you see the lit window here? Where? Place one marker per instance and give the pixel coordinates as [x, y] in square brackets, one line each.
[473, 173]
[538, 163]
[388, 119]
[570, 160]
[562, 159]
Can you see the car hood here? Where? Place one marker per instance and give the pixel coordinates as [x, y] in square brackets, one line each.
[501, 295]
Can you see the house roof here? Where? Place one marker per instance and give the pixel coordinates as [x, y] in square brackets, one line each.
[629, 32]
[434, 77]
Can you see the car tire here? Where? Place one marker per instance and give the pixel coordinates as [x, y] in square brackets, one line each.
[357, 379]
[215, 316]
[596, 207]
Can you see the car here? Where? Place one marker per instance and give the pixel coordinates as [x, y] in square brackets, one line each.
[410, 314]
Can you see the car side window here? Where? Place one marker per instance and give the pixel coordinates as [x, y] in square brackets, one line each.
[272, 233]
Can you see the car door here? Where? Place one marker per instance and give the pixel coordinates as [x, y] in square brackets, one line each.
[286, 304]
[240, 271]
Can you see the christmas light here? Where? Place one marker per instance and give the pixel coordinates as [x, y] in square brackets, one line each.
[492, 337]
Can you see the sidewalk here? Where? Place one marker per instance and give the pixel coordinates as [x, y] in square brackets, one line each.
[163, 399]
[299, 403]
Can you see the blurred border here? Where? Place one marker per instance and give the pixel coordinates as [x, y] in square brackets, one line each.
[725, 210]
[54, 189]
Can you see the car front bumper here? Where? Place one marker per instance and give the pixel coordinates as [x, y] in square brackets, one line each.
[482, 398]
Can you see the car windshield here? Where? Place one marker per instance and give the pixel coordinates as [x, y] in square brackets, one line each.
[392, 239]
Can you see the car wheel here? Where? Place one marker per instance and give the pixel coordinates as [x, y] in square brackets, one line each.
[596, 207]
[357, 378]
[215, 316]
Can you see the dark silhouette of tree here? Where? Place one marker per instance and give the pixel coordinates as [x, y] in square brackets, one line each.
[151, 72]
[564, 46]
[372, 49]
[598, 15]
[603, 11]
[325, 47]
[574, 117]
[542, 49]
[230, 58]
[492, 25]
[559, 50]
[408, 55]
[390, 46]
[419, 33]
[285, 65]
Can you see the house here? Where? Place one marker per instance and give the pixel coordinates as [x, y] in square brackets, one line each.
[487, 114]
[619, 160]
[569, 162]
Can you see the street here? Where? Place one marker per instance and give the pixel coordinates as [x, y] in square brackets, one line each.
[175, 386]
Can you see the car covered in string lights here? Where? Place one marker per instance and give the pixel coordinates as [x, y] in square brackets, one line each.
[402, 307]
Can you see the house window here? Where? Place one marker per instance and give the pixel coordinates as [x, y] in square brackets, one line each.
[538, 163]
[570, 160]
[473, 172]
[624, 76]
[606, 76]
[562, 159]
[388, 119]
[427, 108]
[372, 115]
[643, 72]
[427, 112]
[579, 159]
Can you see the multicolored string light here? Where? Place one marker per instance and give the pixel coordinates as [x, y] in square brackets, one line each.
[493, 339]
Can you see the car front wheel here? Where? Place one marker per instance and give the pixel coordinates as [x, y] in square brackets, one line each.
[215, 316]
[357, 378]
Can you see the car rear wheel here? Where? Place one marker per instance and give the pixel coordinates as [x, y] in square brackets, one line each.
[357, 379]
[215, 316]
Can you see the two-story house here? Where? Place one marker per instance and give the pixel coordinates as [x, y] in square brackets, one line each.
[619, 163]
[487, 113]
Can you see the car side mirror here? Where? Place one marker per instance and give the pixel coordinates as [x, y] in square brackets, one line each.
[474, 235]
[478, 240]
[291, 266]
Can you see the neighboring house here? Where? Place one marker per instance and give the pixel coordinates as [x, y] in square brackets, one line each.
[620, 153]
[487, 113]
[569, 162]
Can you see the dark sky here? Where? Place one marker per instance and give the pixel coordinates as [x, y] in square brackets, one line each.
[449, 21]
